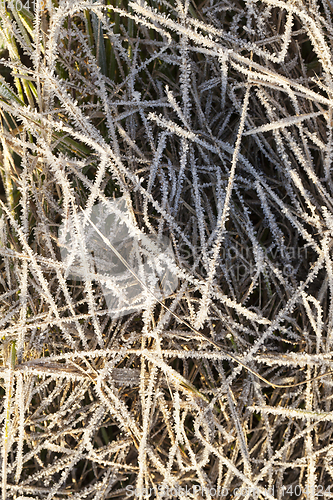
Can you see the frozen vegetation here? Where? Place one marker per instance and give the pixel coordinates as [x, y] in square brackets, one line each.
[191, 356]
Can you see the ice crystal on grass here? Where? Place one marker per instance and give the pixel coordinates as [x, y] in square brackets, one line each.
[166, 249]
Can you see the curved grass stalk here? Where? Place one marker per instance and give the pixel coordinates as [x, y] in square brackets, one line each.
[8, 402]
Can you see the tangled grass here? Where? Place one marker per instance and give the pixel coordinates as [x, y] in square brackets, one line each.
[213, 122]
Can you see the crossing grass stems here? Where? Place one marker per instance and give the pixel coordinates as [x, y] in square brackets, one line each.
[213, 122]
